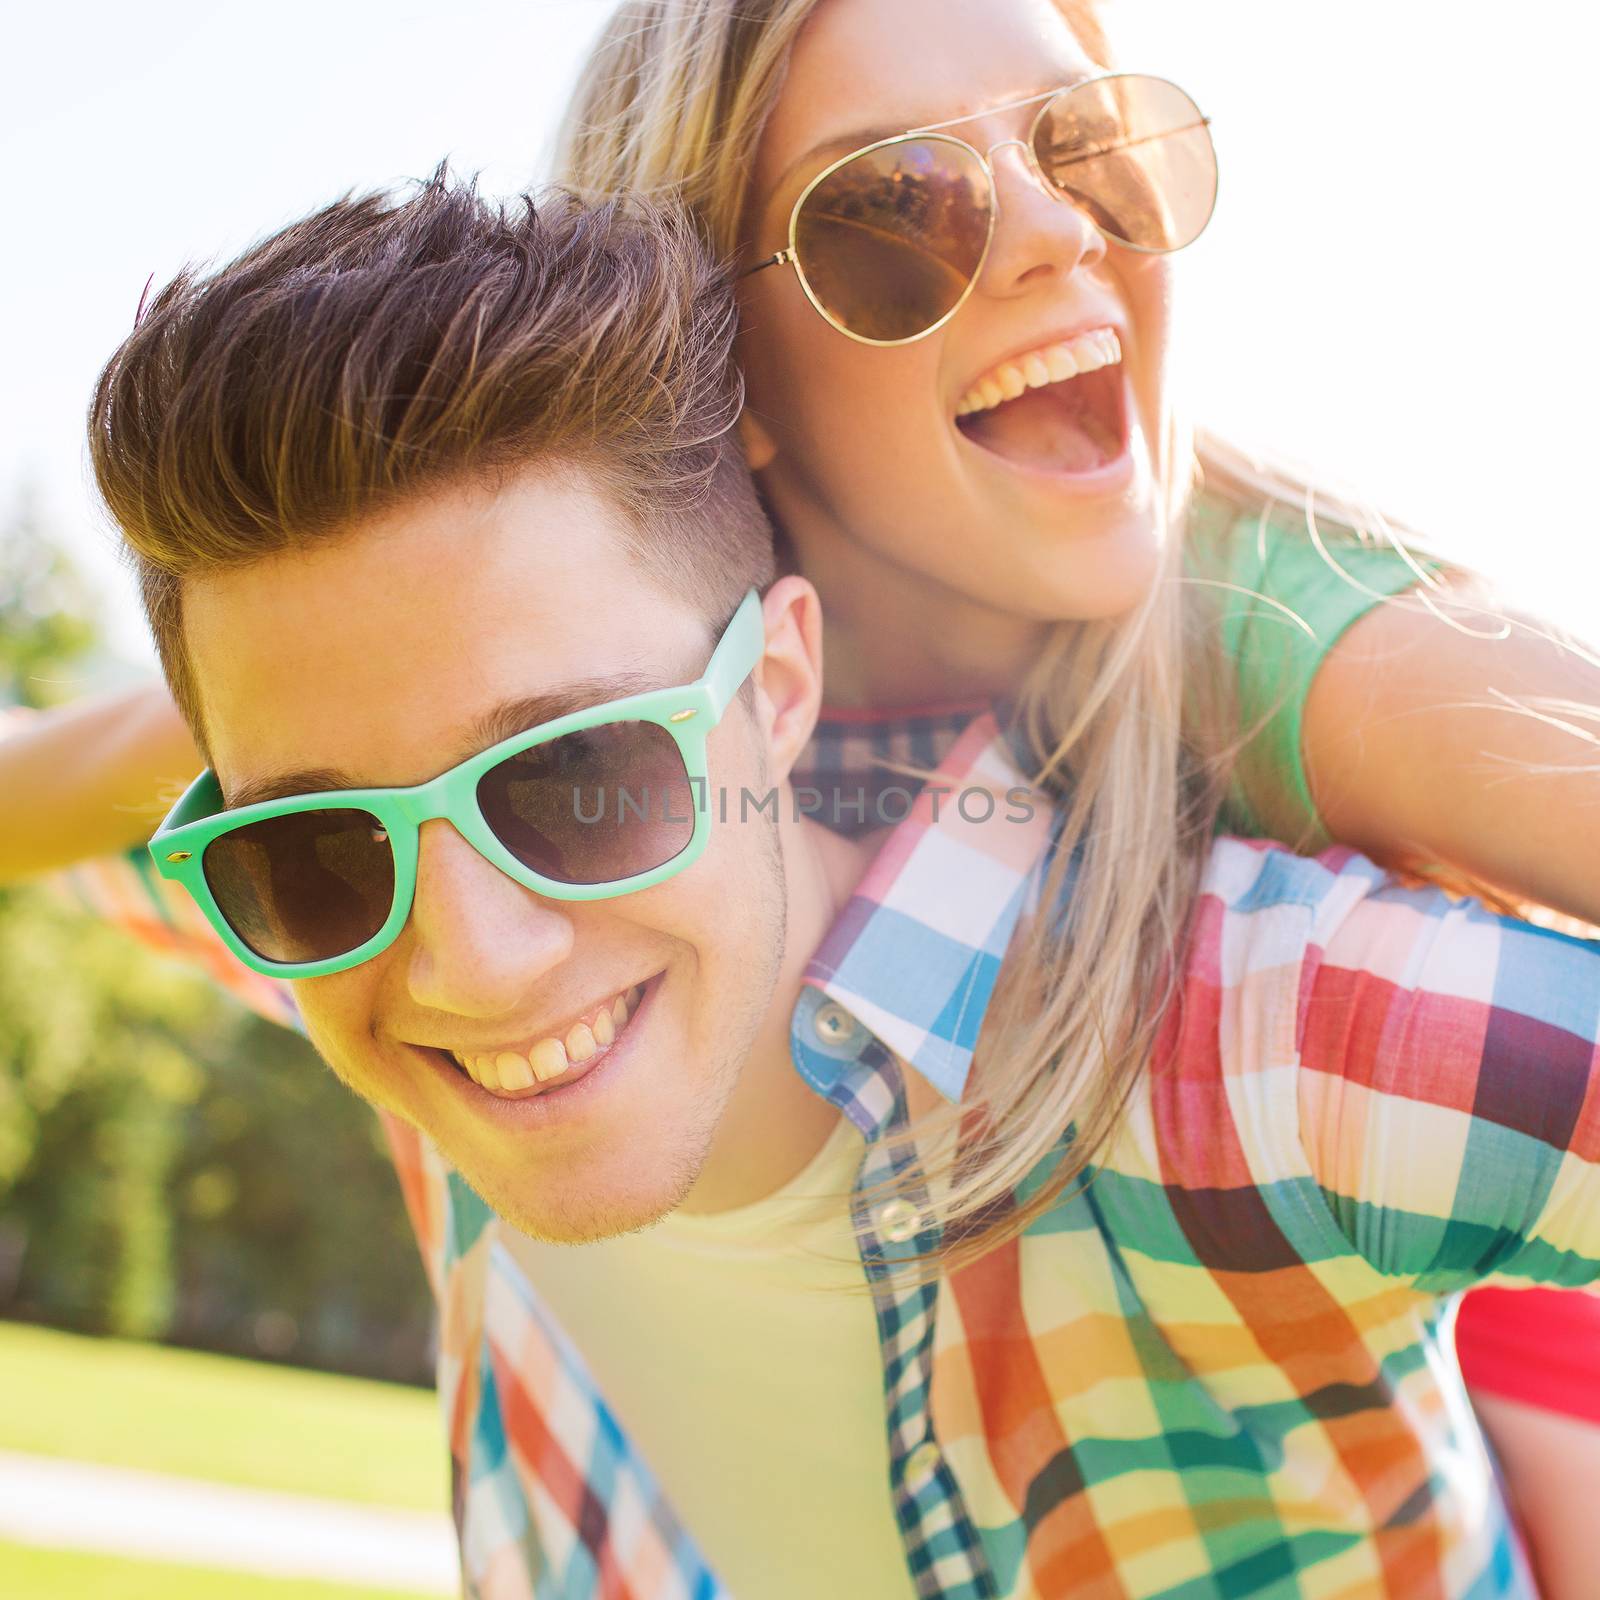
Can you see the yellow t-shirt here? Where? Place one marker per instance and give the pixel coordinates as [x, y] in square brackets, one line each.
[748, 1379]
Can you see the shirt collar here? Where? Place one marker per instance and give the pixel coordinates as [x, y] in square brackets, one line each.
[909, 967]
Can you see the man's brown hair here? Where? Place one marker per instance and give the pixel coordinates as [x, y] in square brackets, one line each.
[387, 347]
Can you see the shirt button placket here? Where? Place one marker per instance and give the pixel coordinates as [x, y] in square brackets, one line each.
[835, 1026]
[920, 1467]
[898, 1221]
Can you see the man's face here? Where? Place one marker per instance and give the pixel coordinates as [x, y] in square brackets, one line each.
[366, 661]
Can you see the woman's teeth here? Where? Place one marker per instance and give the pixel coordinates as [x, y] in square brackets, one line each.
[512, 1072]
[1087, 352]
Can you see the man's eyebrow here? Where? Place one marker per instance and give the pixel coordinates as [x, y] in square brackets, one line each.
[529, 710]
[306, 780]
[504, 720]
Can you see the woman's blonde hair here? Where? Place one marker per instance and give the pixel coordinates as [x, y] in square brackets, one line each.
[1132, 721]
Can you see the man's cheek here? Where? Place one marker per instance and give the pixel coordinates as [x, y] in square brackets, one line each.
[333, 1043]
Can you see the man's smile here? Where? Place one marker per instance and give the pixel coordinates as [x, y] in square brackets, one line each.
[565, 1094]
[514, 1070]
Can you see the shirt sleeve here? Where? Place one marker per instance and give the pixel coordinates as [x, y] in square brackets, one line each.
[127, 891]
[1286, 605]
[130, 894]
[1449, 1086]
[1537, 1346]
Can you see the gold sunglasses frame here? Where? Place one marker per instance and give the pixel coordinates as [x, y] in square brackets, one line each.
[789, 255]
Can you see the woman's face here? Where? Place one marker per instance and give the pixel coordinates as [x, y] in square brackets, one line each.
[1017, 511]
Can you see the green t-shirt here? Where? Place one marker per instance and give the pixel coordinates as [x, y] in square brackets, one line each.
[1278, 654]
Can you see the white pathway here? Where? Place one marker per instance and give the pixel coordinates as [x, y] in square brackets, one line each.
[71, 1505]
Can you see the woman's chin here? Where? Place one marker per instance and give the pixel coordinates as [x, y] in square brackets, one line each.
[1088, 561]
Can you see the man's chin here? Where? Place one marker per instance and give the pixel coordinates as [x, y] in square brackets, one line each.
[593, 1227]
[569, 1217]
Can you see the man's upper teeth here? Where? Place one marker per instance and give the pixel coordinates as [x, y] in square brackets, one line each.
[512, 1071]
[1084, 352]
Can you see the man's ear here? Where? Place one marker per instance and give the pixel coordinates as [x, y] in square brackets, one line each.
[789, 675]
[759, 445]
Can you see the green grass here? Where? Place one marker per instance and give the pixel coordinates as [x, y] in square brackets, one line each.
[226, 1420]
[29, 1574]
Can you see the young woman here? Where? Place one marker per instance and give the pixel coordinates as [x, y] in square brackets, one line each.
[970, 537]
[971, 443]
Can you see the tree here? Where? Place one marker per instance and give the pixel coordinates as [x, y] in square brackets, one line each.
[46, 614]
[170, 1166]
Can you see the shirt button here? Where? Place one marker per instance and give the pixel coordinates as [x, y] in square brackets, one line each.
[921, 1465]
[899, 1220]
[834, 1024]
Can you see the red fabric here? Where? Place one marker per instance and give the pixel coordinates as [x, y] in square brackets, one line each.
[1539, 1346]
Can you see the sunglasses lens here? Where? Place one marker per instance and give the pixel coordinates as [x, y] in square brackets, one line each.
[304, 887]
[1136, 153]
[889, 241]
[596, 806]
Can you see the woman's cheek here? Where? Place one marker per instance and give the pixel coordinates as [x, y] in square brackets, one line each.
[781, 342]
[819, 393]
[1147, 286]
[874, 436]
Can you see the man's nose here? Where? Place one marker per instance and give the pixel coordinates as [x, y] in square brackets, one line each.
[478, 941]
[1038, 232]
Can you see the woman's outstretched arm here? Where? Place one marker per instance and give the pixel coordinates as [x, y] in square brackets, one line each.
[90, 779]
[1430, 740]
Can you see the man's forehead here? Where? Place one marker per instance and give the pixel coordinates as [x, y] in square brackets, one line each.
[386, 657]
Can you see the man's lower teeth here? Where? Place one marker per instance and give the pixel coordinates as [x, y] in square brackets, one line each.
[510, 1073]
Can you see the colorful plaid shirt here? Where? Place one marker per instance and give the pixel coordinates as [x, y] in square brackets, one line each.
[1221, 1367]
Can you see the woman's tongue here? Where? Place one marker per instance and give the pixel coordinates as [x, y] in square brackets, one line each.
[1042, 429]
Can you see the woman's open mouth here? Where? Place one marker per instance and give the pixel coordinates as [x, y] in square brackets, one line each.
[1061, 409]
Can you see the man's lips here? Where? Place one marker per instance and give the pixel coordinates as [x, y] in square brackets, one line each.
[516, 1071]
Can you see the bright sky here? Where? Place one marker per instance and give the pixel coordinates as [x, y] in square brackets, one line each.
[1397, 287]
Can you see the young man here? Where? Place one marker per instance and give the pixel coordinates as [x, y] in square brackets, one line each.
[417, 492]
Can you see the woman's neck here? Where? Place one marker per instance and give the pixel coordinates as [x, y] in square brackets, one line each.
[894, 637]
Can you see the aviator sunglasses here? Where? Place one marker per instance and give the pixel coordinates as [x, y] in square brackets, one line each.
[889, 240]
[597, 803]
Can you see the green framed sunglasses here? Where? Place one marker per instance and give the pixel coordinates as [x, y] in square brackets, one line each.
[598, 803]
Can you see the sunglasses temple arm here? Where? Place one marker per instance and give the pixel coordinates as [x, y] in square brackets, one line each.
[777, 260]
[736, 656]
[203, 798]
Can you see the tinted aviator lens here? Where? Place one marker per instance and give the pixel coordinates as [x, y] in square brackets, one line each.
[303, 887]
[889, 241]
[596, 806]
[1136, 153]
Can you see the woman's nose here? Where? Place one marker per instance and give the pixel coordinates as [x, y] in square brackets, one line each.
[1039, 234]
[477, 940]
